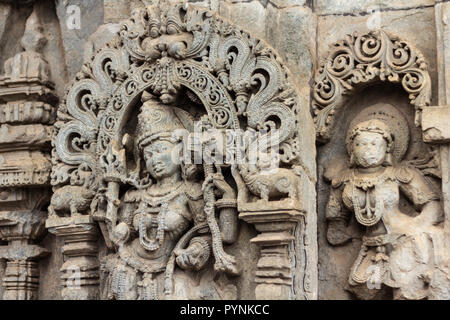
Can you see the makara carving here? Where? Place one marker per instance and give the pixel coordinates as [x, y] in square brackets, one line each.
[174, 68]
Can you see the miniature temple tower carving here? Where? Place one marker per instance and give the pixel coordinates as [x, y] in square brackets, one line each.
[26, 114]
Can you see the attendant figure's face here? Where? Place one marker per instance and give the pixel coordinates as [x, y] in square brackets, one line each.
[158, 159]
[369, 149]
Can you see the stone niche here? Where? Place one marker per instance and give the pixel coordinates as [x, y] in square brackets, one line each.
[380, 206]
[228, 221]
[311, 138]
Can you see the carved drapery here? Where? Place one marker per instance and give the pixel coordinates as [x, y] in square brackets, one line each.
[238, 80]
[363, 59]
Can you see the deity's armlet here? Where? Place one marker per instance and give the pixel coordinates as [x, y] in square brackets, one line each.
[335, 209]
[129, 206]
[415, 187]
[196, 203]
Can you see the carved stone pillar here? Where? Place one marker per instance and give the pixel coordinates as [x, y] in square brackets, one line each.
[436, 130]
[276, 223]
[435, 119]
[80, 277]
[21, 280]
[26, 112]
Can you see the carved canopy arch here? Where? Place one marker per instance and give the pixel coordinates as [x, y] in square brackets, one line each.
[359, 60]
[238, 79]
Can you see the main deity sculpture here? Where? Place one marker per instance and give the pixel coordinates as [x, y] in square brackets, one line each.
[399, 250]
[162, 236]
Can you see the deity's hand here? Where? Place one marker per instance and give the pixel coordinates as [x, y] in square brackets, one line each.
[120, 233]
[337, 232]
[223, 188]
[195, 256]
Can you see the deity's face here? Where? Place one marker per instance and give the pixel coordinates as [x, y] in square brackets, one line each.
[158, 159]
[369, 149]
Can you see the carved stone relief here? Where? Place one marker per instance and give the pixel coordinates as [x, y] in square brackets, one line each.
[169, 225]
[393, 203]
[181, 161]
[361, 59]
[26, 114]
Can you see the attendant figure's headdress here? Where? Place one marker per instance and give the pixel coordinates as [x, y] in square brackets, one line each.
[386, 120]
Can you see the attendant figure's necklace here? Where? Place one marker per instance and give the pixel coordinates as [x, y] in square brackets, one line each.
[367, 216]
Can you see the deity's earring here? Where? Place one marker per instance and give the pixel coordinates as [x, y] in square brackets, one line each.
[352, 160]
[388, 159]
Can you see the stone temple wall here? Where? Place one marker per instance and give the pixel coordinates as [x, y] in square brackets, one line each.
[82, 80]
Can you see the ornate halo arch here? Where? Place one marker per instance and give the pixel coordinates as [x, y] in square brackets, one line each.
[161, 49]
[141, 78]
[365, 59]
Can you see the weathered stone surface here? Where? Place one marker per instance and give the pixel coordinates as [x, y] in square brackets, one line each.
[252, 15]
[116, 10]
[435, 124]
[99, 39]
[5, 12]
[74, 38]
[297, 47]
[442, 13]
[365, 6]
[90, 108]
[13, 30]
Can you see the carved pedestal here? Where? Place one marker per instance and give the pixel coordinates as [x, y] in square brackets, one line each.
[80, 271]
[276, 222]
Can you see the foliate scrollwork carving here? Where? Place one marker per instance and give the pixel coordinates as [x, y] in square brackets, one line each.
[159, 54]
[246, 69]
[361, 59]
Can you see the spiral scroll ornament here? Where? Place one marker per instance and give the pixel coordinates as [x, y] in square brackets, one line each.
[356, 60]
[165, 52]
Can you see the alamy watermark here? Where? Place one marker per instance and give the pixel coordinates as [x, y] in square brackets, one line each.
[73, 17]
[227, 146]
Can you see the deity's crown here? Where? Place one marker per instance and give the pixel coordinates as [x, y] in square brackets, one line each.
[154, 121]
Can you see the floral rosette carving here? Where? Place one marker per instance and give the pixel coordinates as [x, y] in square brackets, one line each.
[361, 59]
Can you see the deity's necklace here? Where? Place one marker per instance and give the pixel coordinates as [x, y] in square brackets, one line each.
[155, 200]
[153, 244]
